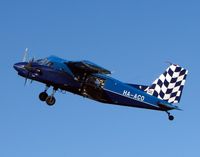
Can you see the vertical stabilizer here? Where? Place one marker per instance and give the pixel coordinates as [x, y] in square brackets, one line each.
[169, 85]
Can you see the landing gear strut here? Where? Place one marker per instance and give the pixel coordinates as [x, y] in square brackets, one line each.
[170, 117]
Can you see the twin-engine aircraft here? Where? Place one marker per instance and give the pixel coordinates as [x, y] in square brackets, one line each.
[93, 81]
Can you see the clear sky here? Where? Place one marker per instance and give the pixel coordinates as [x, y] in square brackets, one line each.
[132, 38]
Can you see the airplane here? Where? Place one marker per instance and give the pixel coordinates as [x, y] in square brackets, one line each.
[92, 81]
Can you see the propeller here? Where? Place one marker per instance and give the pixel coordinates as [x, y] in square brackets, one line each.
[28, 66]
[30, 69]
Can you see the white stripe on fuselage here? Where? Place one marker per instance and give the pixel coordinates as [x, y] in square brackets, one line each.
[130, 97]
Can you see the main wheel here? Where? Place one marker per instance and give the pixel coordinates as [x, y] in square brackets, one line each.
[171, 117]
[50, 100]
[43, 96]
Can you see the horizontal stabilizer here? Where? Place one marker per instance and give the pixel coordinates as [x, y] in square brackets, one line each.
[166, 106]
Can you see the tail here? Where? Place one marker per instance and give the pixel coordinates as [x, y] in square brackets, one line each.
[169, 85]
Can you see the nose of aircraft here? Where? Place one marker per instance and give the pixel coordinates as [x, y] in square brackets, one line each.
[19, 66]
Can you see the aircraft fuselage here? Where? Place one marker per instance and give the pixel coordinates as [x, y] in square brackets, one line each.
[95, 86]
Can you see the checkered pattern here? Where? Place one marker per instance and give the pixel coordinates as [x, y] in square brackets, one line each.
[169, 85]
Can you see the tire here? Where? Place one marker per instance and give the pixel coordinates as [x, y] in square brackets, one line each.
[50, 100]
[171, 117]
[43, 96]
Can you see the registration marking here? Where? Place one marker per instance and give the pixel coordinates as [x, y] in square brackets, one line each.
[133, 96]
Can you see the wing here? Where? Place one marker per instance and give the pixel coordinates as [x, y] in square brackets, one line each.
[87, 67]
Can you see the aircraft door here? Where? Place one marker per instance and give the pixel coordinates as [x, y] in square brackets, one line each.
[95, 82]
[93, 87]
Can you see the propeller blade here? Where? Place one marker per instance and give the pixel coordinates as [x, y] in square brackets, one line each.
[25, 57]
[26, 79]
[25, 82]
[32, 60]
[29, 65]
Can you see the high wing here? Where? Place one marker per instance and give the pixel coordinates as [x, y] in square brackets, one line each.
[86, 66]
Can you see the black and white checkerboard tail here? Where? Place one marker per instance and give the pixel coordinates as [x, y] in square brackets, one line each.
[169, 85]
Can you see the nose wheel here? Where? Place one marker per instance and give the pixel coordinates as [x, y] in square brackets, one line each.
[49, 99]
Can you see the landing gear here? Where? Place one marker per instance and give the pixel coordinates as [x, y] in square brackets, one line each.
[170, 117]
[50, 100]
[43, 96]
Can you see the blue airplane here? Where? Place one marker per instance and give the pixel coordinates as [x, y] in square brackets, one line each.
[93, 81]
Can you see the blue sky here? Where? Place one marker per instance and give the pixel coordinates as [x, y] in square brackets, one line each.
[133, 39]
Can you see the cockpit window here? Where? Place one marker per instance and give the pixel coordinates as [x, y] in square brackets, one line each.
[45, 62]
[49, 64]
